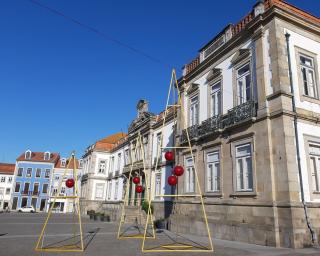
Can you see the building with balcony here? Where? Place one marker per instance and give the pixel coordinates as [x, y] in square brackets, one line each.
[6, 182]
[32, 177]
[253, 108]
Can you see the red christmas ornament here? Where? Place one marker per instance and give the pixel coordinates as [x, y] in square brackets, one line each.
[70, 183]
[178, 170]
[172, 180]
[136, 180]
[139, 189]
[169, 156]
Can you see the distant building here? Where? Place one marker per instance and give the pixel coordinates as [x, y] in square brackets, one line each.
[64, 205]
[32, 179]
[6, 181]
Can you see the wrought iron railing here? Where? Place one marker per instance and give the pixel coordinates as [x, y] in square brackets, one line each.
[211, 125]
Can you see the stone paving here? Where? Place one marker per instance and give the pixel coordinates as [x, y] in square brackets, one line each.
[19, 233]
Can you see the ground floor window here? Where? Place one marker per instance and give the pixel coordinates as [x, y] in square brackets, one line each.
[190, 176]
[213, 172]
[158, 184]
[42, 204]
[99, 191]
[14, 203]
[243, 163]
[314, 158]
[24, 202]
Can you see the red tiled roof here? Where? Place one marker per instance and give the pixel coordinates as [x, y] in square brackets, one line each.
[7, 168]
[39, 157]
[109, 142]
[58, 164]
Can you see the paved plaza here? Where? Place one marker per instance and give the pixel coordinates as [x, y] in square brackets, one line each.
[19, 233]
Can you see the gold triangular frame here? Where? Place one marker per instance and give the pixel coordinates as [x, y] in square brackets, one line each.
[76, 198]
[178, 247]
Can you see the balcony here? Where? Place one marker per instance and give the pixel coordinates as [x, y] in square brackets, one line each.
[110, 174]
[215, 124]
[117, 173]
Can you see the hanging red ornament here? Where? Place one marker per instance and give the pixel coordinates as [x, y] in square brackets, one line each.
[136, 180]
[178, 170]
[139, 189]
[70, 183]
[169, 156]
[172, 180]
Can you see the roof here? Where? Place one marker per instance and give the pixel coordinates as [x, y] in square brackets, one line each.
[109, 142]
[7, 168]
[58, 164]
[39, 157]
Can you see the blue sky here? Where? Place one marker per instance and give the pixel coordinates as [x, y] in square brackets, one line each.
[64, 87]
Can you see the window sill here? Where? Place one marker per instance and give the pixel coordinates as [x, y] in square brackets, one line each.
[243, 194]
[209, 194]
[310, 99]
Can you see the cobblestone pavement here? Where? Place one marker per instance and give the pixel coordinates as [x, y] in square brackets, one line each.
[19, 233]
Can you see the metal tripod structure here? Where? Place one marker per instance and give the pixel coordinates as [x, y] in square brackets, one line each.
[176, 246]
[127, 200]
[76, 214]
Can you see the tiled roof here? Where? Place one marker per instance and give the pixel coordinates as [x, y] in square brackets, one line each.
[39, 157]
[107, 143]
[7, 168]
[58, 164]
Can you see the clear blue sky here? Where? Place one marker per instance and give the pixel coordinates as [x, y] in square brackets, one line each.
[63, 87]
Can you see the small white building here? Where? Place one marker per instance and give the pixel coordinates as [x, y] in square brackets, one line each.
[6, 181]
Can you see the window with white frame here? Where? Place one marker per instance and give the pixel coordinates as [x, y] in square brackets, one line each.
[102, 166]
[20, 172]
[216, 99]
[111, 164]
[8, 191]
[45, 188]
[99, 191]
[47, 173]
[109, 189]
[119, 161]
[29, 172]
[145, 145]
[158, 144]
[158, 184]
[3, 179]
[126, 157]
[63, 162]
[17, 187]
[243, 83]
[243, 158]
[116, 190]
[194, 110]
[314, 156]
[213, 171]
[38, 172]
[27, 155]
[9, 179]
[308, 76]
[190, 175]
[80, 163]
[63, 190]
[46, 156]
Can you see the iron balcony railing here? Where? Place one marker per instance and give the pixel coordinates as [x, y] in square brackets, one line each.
[213, 124]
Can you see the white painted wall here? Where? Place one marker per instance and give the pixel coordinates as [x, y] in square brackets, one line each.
[3, 187]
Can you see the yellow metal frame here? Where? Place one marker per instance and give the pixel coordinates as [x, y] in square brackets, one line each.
[127, 199]
[64, 248]
[178, 247]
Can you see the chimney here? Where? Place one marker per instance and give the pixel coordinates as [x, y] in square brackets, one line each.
[142, 107]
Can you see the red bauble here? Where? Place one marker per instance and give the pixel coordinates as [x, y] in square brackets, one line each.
[70, 183]
[172, 180]
[178, 170]
[139, 189]
[136, 180]
[169, 156]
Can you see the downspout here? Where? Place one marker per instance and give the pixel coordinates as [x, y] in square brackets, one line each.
[295, 123]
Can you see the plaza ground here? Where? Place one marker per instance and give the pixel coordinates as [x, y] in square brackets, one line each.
[19, 233]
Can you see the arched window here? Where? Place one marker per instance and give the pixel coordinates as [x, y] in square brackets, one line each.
[63, 162]
[27, 154]
[47, 156]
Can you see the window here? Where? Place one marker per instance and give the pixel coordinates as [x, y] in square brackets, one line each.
[8, 191]
[3, 179]
[99, 191]
[26, 188]
[308, 76]
[29, 172]
[63, 162]
[38, 172]
[116, 190]
[145, 145]
[158, 184]
[27, 155]
[57, 177]
[9, 179]
[112, 164]
[17, 188]
[55, 191]
[194, 111]
[47, 173]
[119, 162]
[35, 188]
[46, 156]
[20, 172]
[102, 166]
[158, 145]
[45, 188]
[213, 172]
[109, 189]
[216, 99]
[190, 175]
[126, 157]
[244, 180]
[63, 190]
[243, 82]
[314, 155]
[80, 163]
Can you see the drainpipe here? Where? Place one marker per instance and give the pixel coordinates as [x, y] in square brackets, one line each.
[295, 123]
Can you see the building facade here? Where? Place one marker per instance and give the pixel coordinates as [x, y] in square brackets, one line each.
[252, 101]
[6, 182]
[32, 177]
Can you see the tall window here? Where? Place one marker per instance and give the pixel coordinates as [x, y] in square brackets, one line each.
[102, 166]
[47, 173]
[9, 179]
[26, 188]
[243, 84]
[8, 191]
[109, 189]
[216, 99]
[45, 188]
[46, 156]
[314, 155]
[158, 144]
[158, 184]
[119, 162]
[308, 76]
[27, 155]
[38, 172]
[99, 191]
[3, 179]
[194, 110]
[213, 172]
[244, 167]
[63, 162]
[190, 175]
[126, 157]
[17, 188]
[112, 164]
[145, 145]
[116, 190]
[35, 188]
[20, 171]
[29, 172]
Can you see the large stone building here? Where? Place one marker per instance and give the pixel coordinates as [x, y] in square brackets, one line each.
[253, 109]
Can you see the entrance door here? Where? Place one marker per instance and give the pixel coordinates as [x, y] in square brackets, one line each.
[14, 203]
[5, 205]
[34, 203]
[42, 204]
[24, 201]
